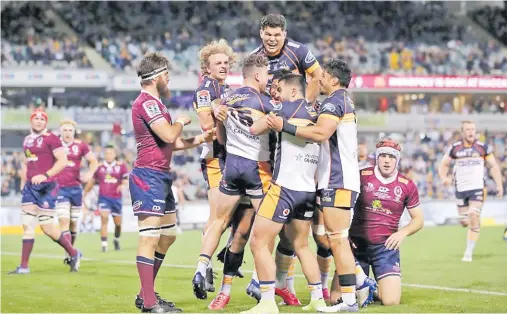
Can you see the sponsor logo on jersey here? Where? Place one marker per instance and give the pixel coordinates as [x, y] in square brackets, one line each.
[328, 107]
[403, 180]
[151, 108]
[203, 98]
[309, 57]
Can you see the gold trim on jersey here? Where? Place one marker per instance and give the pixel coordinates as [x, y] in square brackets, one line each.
[265, 175]
[342, 198]
[330, 116]
[203, 109]
[348, 117]
[314, 67]
[270, 201]
[300, 122]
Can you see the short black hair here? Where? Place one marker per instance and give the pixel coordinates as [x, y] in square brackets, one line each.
[110, 145]
[280, 73]
[294, 80]
[339, 69]
[273, 21]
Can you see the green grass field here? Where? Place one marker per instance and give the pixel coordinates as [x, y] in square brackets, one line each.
[108, 282]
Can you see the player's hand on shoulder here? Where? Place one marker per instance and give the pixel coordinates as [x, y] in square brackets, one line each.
[185, 119]
[275, 122]
[220, 113]
[38, 179]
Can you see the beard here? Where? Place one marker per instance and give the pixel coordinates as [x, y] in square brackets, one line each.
[163, 90]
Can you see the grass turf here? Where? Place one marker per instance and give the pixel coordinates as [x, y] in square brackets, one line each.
[108, 282]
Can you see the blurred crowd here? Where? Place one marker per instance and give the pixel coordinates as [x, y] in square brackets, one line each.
[374, 37]
[421, 154]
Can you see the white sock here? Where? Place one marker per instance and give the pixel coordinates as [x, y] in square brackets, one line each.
[267, 290]
[360, 275]
[202, 264]
[323, 279]
[104, 243]
[226, 284]
[315, 290]
[254, 276]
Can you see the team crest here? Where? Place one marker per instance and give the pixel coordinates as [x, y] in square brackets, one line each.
[75, 149]
[39, 142]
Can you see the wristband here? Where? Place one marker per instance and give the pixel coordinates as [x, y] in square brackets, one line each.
[289, 128]
[180, 122]
[46, 175]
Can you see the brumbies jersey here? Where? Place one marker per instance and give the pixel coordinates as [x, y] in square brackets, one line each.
[246, 106]
[294, 57]
[209, 89]
[469, 164]
[338, 165]
[295, 154]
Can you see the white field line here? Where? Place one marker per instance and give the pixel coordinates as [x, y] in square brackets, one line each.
[430, 287]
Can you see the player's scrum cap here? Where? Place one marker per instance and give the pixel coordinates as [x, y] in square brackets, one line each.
[390, 147]
[38, 112]
[153, 74]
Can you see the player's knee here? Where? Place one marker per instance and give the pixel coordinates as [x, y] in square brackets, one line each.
[321, 241]
[75, 214]
[390, 301]
[464, 222]
[29, 222]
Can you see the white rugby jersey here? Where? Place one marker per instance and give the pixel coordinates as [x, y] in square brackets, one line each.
[338, 165]
[295, 159]
[246, 106]
[469, 164]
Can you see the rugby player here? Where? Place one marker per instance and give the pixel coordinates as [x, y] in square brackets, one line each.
[112, 177]
[385, 193]
[285, 258]
[470, 156]
[289, 200]
[216, 59]
[338, 170]
[157, 136]
[247, 170]
[285, 53]
[70, 195]
[45, 158]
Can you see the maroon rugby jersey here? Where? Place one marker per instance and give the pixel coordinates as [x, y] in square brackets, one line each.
[380, 205]
[109, 177]
[152, 152]
[70, 175]
[39, 152]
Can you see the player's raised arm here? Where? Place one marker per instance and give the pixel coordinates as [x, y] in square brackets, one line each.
[495, 173]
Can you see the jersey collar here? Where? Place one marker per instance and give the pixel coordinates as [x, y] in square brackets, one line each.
[111, 165]
[144, 91]
[381, 178]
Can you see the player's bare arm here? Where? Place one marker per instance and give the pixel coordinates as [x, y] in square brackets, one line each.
[221, 133]
[167, 132]
[61, 162]
[88, 187]
[187, 143]
[495, 173]
[260, 126]
[206, 120]
[416, 223]
[93, 164]
[318, 133]
[219, 110]
[312, 90]
[443, 170]
[124, 183]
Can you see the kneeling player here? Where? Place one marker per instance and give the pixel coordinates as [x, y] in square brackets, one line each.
[70, 194]
[374, 230]
[289, 200]
[112, 177]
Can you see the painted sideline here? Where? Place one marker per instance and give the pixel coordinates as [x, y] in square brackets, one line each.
[430, 287]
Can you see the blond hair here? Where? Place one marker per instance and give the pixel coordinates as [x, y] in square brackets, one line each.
[213, 48]
[68, 121]
[466, 122]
